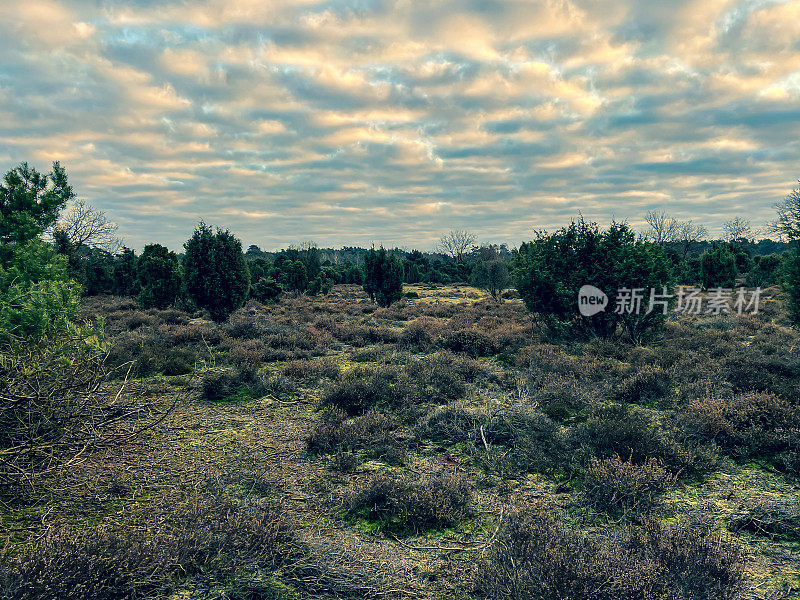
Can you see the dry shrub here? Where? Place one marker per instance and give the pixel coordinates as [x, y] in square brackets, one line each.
[788, 461]
[753, 424]
[406, 505]
[560, 397]
[283, 340]
[613, 484]
[243, 383]
[372, 430]
[150, 352]
[751, 370]
[436, 379]
[361, 334]
[181, 333]
[360, 389]
[52, 409]
[247, 353]
[304, 369]
[622, 430]
[344, 462]
[539, 556]
[420, 335]
[520, 439]
[136, 319]
[212, 536]
[648, 384]
[467, 341]
[450, 425]
[513, 440]
[369, 354]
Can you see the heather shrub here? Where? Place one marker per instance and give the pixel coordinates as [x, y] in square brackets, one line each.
[370, 430]
[648, 384]
[563, 398]
[304, 369]
[450, 424]
[779, 518]
[753, 424]
[176, 361]
[360, 389]
[241, 327]
[135, 319]
[211, 536]
[625, 431]
[539, 556]
[788, 461]
[247, 353]
[436, 378]
[612, 484]
[411, 505]
[228, 384]
[520, 439]
[148, 353]
[468, 341]
[751, 369]
[618, 430]
[344, 462]
[420, 335]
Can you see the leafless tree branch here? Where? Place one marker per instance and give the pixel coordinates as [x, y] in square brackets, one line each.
[85, 225]
[456, 243]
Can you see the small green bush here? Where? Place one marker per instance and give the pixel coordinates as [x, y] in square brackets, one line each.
[718, 267]
[266, 290]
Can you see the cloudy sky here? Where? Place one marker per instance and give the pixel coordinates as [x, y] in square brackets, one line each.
[353, 122]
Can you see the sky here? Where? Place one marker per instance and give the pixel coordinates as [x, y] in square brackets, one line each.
[391, 122]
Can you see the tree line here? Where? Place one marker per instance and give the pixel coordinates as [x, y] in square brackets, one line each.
[52, 254]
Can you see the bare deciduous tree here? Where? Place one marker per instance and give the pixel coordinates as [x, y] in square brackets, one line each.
[737, 229]
[787, 225]
[85, 225]
[663, 228]
[456, 243]
[688, 234]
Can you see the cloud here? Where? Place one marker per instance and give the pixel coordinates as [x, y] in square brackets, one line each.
[389, 121]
